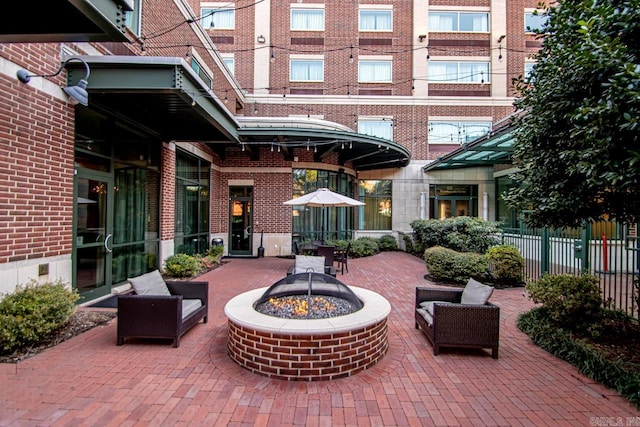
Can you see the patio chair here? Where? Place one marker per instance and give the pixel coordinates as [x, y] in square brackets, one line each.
[296, 248]
[458, 317]
[342, 258]
[327, 252]
[315, 264]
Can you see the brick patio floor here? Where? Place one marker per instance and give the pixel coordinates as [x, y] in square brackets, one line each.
[89, 381]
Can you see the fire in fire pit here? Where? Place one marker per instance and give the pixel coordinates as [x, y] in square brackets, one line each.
[308, 296]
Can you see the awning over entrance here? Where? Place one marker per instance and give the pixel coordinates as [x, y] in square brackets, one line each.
[324, 138]
[494, 148]
[163, 95]
[64, 20]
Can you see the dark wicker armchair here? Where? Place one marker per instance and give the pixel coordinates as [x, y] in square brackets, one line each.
[452, 324]
[160, 316]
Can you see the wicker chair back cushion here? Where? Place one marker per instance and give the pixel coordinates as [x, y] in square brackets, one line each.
[306, 263]
[150, 283]
[476, 293]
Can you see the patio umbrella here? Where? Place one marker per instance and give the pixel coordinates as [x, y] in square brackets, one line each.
[323, 198]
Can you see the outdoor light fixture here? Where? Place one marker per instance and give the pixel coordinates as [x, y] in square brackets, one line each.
[261, 39]
[78, 93]
[421, 37]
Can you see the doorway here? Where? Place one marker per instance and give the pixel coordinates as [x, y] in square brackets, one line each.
[240, 221]
[93, 232]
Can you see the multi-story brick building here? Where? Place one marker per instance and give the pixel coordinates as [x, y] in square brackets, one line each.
[203, 118]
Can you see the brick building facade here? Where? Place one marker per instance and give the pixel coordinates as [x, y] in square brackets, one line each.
[345, 94]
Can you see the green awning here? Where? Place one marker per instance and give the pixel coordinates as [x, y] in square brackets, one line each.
[364, 152]
[494, 148]
[64, 21]
[163, 95]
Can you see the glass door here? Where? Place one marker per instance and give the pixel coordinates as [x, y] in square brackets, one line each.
[241, 221]
[93, 234]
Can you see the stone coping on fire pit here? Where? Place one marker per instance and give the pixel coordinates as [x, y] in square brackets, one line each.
[240, 310]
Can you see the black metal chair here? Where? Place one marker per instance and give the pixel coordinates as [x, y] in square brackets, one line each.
[342, 259]
[296, 248]
[328, 253]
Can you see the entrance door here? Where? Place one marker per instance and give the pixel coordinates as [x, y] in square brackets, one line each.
[93, 231]
[241, 221]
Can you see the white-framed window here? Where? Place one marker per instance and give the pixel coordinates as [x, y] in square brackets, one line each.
[379, 127]
[306, 70]
[528, 68]
[218, 18]
[458, 21]
[374, 71]
[132, 18]
[307, 19]
[202, 73]
[375, 19]
[456, 132]
[458, 72]
[535, 21]
[230, 63]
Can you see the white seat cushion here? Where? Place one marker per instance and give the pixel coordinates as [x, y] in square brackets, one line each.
[150, 283]
[189, 306]
[306, 263]
[476, 293]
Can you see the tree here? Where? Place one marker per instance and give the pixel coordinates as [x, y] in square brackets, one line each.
[576, 140]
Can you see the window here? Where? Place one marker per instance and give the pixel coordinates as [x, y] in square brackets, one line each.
[192, 204]
[458, 21]
[535, 21]
[206, 78]
[375, 20]
[528, 68]
[376, 213]
[307, 19]
[309, 222]
[132, 18]
[229, 63]
[458, 72]
[441, 132]
[374, 71]
[217, 18]
[306, 70]
[378, 128]
[446, 201]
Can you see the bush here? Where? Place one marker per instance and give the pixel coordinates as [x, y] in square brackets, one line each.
[451, 266]
[388, 243]
[570, 301]
[215, 252]
[363, 247]
[506, 265]
[462, 234]
[33, 312]
[182, 265]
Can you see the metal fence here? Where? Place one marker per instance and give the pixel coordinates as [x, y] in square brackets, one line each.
[607, 250]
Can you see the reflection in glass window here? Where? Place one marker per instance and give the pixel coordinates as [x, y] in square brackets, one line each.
[375, 20]
[456, 132]
[528, 68]
[307, 19]
[374, 71]
[458, 21]
[192, 204]
[229, 63]
[132, 18]
[217, 18]
[376, 213]
[534, 22]
[458, 72]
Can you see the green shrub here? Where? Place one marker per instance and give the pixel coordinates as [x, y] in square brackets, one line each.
[409, 245]
[215, 252]
[33, 312]
[387, 243]
[363, 247]
[506, 265]
[462, 233]
[570, 301]
[451, 266]
[182, 265]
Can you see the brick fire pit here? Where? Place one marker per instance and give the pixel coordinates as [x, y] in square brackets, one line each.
[307, 349]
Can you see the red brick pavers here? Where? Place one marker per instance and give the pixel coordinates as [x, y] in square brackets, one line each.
[89, 381]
